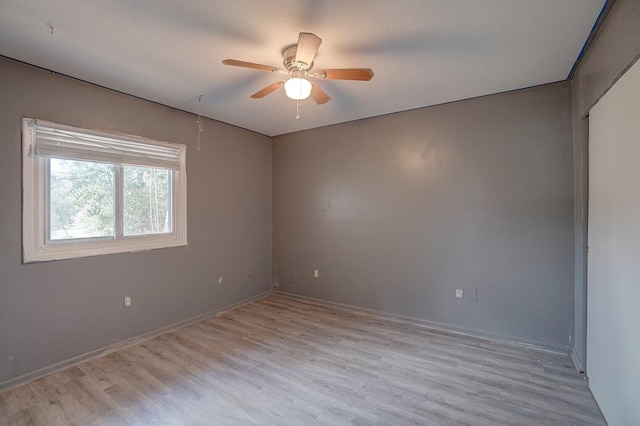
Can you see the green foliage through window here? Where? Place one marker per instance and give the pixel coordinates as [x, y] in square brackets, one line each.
[83, 203]
[146, 201]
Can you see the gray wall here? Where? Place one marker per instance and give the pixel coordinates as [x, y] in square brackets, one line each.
[398, 211]
[615, 47]
[53, 311]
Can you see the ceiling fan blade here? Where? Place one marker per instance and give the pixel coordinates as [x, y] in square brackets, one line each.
[267, 90]
[243, 64]
[362, 74]
[308, 44]
[318, 95]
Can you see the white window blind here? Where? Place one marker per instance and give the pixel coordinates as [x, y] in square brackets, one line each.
[59, 141]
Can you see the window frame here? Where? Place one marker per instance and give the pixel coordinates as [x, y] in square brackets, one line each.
[36, 244]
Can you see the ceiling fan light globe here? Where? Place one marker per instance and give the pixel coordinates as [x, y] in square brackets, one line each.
[297, 88]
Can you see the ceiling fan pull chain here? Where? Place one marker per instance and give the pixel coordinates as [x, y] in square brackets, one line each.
[298, 109]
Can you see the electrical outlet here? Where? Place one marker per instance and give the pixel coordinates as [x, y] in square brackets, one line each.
[127, 301]
[459, 293]
[316, 273]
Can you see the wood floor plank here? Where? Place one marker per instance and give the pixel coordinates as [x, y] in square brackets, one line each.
[286, 361]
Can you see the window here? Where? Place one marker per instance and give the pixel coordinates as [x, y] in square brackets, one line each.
[87, 193]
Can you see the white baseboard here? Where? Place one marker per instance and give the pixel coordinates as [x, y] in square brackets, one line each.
[45, 371]
[557, 349]
[577, 361]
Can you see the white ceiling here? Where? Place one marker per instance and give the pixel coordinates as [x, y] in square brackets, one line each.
[422, 52]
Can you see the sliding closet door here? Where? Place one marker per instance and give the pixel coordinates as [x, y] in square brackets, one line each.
[613, 297]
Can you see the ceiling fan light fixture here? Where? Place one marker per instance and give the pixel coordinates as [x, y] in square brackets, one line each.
[297, 88]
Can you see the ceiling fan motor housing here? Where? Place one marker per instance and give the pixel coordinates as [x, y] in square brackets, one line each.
[290, 60]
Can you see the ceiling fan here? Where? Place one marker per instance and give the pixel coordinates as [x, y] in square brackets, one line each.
[298, 65]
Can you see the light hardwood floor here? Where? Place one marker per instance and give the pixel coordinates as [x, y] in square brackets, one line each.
[285, 361]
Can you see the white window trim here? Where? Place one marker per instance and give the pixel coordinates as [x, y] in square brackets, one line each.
[35, 247]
